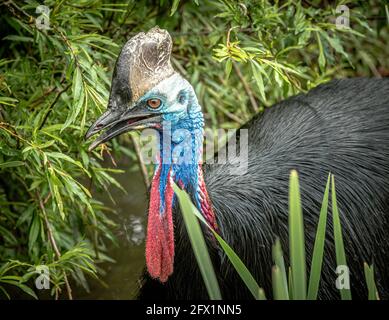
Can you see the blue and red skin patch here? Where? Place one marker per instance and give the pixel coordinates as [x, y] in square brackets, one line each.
[160, 229]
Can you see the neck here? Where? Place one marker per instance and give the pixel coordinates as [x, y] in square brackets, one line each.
[180, 160]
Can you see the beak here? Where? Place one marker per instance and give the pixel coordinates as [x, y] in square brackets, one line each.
[116, 122]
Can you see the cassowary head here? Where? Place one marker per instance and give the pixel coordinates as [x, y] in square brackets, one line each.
[145, 90]
[147, 93]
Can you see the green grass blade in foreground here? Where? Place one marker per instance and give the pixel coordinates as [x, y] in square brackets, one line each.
[238, 264]
[339, 246]
[290, 283]
[371, 286]
[242, 270]
[261, 294]
[198, 244]
[318, 250]
[280, 289]
[296, 239]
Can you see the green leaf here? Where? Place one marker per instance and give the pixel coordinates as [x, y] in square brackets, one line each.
[11, 164]
[261, 295]
[280, 282]
[77, 84]
[27, 290]
[77, 105]
[318, 250]
[336, 44]
[371, 286]
[5, 293]
[55, 184]
[228, 68]
[257, 73]
[34, 231]
[19, 38]
[240, 267]
[296, 239]
[198, 244]
[290, 283]
[279, 290]
[322, 58]
[387, 13]
[65, 157]
[8, 236]
[339, 246]
[174, 7]
[238, 264]
[8, 101]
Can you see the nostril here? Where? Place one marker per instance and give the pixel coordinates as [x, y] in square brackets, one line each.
[99, 126]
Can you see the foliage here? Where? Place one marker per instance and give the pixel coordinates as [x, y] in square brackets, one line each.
[285, 287]
[240, 56]
[52, 81]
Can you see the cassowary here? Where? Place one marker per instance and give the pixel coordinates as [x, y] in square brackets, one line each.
[341, 127]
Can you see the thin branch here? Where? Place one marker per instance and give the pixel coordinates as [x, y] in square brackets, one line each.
[53, 242]
[46, 93]
[94, 231]
[247, 88]
[52, 106]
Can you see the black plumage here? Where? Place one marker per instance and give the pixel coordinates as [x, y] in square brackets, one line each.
[341, 127]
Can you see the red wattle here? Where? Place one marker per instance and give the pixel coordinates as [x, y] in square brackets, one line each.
[205, 202]
[160, 232]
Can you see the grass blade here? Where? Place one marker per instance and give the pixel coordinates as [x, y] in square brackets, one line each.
[282, 285]
[296, 239]
[261, 295]
[369, 275]
[279, 290]
[240, 267]
[318, 250]
[339, 246]
[237, 263]
[290, 283]
[198, 244]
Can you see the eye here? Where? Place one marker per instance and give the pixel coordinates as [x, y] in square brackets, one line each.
[154, 103]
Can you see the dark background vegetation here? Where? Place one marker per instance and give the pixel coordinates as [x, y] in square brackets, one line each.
[240, 56]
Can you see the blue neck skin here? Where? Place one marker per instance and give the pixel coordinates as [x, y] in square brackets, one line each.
[181, 144]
